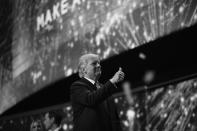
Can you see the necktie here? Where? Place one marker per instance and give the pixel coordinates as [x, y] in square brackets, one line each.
[97, 84]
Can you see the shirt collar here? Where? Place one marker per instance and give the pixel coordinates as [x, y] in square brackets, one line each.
[90, 80]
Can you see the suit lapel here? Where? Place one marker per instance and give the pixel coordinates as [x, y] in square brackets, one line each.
[90, 86]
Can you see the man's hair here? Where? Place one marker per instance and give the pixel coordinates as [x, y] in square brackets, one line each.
[83, 60]
[57, 117]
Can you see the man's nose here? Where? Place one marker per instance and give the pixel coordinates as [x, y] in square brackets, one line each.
[98, 65]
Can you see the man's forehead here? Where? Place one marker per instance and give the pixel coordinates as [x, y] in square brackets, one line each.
[94, 58]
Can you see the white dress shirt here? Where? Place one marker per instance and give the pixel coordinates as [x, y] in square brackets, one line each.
[90, 80]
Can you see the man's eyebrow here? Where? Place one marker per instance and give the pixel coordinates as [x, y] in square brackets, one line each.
[94, 62]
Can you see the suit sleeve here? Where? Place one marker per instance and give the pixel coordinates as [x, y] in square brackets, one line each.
[81, 95]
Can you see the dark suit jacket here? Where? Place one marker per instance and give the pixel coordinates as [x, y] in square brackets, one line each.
[92, 108]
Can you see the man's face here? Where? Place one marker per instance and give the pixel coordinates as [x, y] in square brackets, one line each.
[93, 68]
[47, 121]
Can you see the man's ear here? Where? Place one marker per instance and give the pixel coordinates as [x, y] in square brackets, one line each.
[84, 70]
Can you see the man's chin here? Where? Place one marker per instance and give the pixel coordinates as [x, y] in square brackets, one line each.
[98, 75]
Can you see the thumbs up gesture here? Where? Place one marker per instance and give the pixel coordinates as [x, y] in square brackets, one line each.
[118, 76]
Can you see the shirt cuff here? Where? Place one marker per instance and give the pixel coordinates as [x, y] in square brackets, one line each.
[113, 84]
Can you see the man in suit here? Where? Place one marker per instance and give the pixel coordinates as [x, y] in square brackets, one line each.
[52, 121]
[92, 107]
